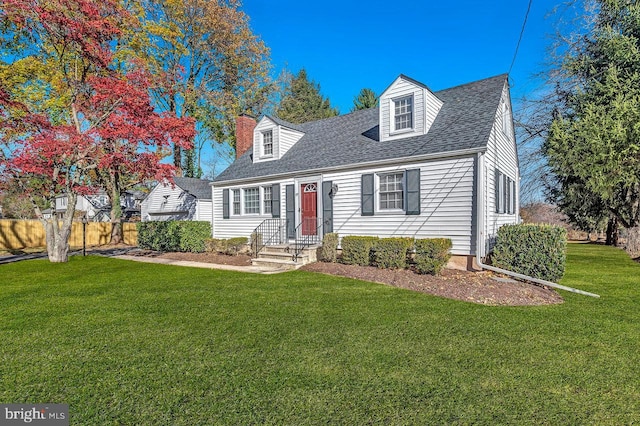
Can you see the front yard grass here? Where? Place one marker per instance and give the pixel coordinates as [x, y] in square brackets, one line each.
[132, 343]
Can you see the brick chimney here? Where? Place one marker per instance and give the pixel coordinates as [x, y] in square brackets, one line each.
[244, 134]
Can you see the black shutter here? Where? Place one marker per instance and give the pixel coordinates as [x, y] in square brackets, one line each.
[225, 204]
[496, 183]
[503, 208]
[327, 207]
[513, 197]
[412, 191]
[275, 200]
[291, 211]
[367, 195]
[508, 196]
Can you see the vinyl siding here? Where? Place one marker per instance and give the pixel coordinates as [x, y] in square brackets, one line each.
[204, 210]
[243, 225]
[502, 155]
[425, 109]
[179, 205]
[283, 139]
[287, 138]
[446, 190]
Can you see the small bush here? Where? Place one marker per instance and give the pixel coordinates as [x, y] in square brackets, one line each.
[534, 250]
[329, 249]
[233, 246]
[432, 254]
[173, 235]
[215, 245]
[391, 253]
[357, 250]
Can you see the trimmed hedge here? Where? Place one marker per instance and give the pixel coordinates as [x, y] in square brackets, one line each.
[329, 249]
[538, 251]
[391, 253]
[232, 246]
[186, 236]
[432, 254]
[356, 250]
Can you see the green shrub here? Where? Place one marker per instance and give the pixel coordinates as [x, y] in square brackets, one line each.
[391, 253]
[357, 250]
[215, 245]
[234, 245]
[538, 251]
[173, 235]
[432, 254]
[329, 249]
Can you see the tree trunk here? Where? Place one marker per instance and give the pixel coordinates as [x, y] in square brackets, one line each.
[57, 234]
[116, 211]
[612, 232]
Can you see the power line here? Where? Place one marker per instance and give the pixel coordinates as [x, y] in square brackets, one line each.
[524, 23]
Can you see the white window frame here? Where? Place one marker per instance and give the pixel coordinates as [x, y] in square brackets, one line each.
[266, 202]
[411, 114]
[378, 192]
[234, 202]
[264, 144]
[244, 201]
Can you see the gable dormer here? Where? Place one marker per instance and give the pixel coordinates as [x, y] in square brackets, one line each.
[407, 108]
[272, 138]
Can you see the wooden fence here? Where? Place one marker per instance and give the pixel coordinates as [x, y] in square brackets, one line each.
[21, 234]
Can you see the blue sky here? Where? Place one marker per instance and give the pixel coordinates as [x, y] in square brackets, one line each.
[348, 45]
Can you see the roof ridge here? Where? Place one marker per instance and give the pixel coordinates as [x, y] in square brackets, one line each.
[473, 82]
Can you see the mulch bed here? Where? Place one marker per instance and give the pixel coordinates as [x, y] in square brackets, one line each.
[475, 287]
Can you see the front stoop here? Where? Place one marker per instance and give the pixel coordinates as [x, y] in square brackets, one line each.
[281, 256]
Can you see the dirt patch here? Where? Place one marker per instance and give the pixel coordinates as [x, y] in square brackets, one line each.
[476, 287]
[217, 258]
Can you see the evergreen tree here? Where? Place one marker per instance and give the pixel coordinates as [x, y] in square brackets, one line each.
[303, 102]
[366, 99]
[593, 143]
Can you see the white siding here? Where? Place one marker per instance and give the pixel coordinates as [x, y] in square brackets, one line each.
[283, 139]
[243, 225]
[204, 211]
[425, 109]
[502, 155]
[446, 190]
[287, 138]
[178, 204]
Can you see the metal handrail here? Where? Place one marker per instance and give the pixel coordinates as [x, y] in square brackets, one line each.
[269, 232]
[304, 241]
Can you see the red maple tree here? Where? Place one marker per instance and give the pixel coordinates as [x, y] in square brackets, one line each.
[108, 128]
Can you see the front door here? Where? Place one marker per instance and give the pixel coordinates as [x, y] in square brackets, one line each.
[309, 208]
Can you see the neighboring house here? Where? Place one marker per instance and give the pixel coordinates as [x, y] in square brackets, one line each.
[423, 164]
[187, 199]
[97, 207]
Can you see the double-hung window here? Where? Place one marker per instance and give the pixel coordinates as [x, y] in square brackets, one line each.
[267, 143]
[403, 113]
[252, 201]
[266, 199]
[391, 191]
[236, 202]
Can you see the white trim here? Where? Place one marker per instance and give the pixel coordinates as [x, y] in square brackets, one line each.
[356, 166]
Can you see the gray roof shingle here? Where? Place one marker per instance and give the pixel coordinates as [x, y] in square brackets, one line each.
[199, 188]
[464, 122]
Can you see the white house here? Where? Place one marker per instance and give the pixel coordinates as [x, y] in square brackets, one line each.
[423, 164]
[187, 199]
[97, 207]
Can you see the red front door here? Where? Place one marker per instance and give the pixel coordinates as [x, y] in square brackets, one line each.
[309, 210]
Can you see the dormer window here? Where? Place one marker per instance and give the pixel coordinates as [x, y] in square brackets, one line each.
[403, 116]
[267, 142]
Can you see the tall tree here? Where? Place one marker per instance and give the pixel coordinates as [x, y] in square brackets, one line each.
[593, 143]
[364, 100]
[214, 67]
[61, 103]
[302, 101]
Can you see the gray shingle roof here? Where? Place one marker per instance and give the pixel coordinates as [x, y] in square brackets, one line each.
[464, 122]
[199, 188]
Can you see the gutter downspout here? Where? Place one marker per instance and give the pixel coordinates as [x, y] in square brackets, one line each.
[480, 238]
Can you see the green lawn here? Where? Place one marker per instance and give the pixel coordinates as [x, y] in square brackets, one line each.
[127, 343]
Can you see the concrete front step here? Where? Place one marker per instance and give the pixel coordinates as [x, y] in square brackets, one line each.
[277, 263]
[268, 254]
